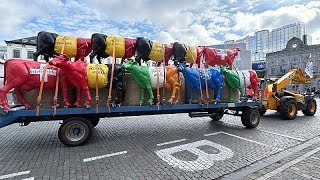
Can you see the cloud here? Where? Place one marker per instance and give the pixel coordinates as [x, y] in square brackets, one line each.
[309, 14]
[202, 22]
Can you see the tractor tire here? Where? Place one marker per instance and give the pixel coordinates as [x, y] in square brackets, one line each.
[288, 109]
[311, 108]
[75, 131]
[250, 118]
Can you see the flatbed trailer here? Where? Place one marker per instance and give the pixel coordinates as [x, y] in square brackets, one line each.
[78, 123]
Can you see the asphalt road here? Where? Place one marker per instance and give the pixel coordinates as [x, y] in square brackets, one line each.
[157, 147]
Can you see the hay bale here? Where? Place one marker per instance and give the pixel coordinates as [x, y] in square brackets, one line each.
[47, 98]
[133, 92]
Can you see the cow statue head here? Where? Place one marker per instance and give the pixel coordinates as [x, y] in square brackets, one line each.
[60, 60]
[129, 64]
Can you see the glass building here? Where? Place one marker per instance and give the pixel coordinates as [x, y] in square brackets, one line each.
[266, 41]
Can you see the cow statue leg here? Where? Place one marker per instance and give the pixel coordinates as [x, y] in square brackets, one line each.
[87, 93]
[79, 98]
[17, 82]
[150, 101]
[141, 100]
[20, 97]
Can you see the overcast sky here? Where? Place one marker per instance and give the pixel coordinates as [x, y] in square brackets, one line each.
[194, 22]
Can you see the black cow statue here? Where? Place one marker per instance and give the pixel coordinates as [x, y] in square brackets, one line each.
[117, 83]
[47, 42]
[179, 52]
[100, 44]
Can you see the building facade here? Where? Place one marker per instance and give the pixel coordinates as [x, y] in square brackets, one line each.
[243, 60]
[296, 54]
[22, 48]
[3, 52]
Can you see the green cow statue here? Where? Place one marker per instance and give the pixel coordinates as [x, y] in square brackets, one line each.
[233, 80]
[141, 75]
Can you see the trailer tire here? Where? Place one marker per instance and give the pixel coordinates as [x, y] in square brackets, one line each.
[75, 131]
[288, 109]
[218, 116]
[250, 118]
[262, 110]
[311, 108]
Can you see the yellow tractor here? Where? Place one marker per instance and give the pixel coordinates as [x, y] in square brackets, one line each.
[286, 102]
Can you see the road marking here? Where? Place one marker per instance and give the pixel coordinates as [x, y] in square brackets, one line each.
[249, 140]
[104, 156]
[282, 135]
[14, 174]
[289, 164]
[204, 160]
[212, 134]
[270, 132]
[31, 178]
[171, 142]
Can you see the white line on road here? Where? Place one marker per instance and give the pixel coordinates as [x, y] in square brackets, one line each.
[271, 133]
[212, 134]
[239, 138]
[282, 135]
[289, 164]
[14, 174]
[171, 142]
[104, 156]
[31, 178]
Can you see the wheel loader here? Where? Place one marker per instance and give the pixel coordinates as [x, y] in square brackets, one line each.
[288, 103]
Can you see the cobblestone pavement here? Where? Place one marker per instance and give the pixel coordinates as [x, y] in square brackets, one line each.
[166, 147]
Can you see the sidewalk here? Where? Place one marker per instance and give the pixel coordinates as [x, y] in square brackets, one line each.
[299, 162]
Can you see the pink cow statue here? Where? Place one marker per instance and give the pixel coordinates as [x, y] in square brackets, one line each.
[219, 57]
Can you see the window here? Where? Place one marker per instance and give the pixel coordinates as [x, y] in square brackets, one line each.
[30, 55]
[16, 53]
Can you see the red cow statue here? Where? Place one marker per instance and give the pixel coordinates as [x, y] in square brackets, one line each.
[76, 74]
[219, 57]
[47, 41]
[25, 75]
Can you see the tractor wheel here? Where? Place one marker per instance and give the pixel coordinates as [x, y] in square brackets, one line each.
[288, 109]
[311, 107]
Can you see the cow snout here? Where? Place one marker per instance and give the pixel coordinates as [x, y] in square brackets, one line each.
[52, 63]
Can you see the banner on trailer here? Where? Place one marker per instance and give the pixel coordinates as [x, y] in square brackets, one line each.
[70, 48]
[102, 75]
[120, 46]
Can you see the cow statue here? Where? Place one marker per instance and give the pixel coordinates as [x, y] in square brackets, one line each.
[25, 75]
[49, 44]
[219, 57]
[76, 73]
[242, 80]
[213, 76]
[186, 54]
[102, 47]
[151, 50]
[146, 78]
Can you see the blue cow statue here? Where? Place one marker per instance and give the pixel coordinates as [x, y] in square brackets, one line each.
[213, 75]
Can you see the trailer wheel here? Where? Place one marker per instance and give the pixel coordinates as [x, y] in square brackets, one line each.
[288, 109]
[250, 118]
[75, 131]
[262, 110]
[218, 116]
[311, 108]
